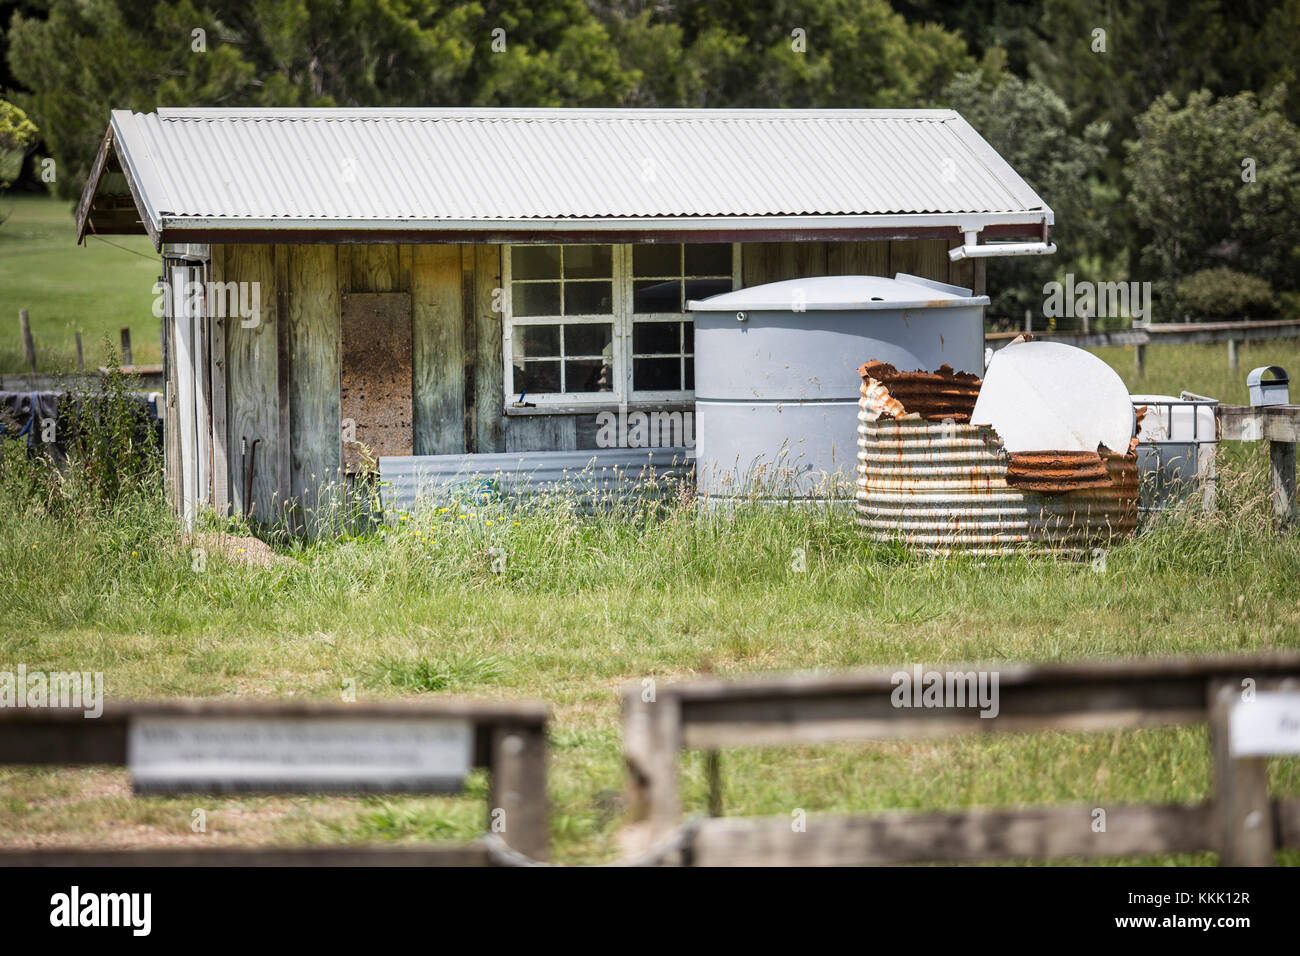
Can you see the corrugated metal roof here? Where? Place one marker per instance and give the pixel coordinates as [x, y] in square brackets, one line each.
[414, 168]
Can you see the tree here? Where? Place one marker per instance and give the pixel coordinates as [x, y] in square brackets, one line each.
[93, 56]
[1029, 126]
[1217, 183]
[17, 134]
[782, 53]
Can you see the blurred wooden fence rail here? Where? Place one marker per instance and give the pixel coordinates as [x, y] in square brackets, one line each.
[1241, 823]
[1166, 333]
[1279, 425]
[507, 738]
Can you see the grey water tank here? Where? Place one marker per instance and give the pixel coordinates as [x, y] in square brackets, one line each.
[776, 380]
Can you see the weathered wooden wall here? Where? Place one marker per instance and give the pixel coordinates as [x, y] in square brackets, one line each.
[776, 261]
[284, 374]
[314, 365]
[253, 387]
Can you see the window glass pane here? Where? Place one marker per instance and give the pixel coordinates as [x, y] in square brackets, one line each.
[656, 374]
[708, 259]
[537, 377]
[588, 298]
[588, 262]
[657, 296]
[535, 262]
[689, 378]
[539, 341]
[536, 298]
[587, 375]
[688, 337]
[703, 288]
[587, 339]
[657, 260]
[650, 337]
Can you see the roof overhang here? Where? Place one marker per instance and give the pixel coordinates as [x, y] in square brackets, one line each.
[112, 203]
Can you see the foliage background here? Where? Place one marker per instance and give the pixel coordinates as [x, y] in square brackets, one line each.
[1131, 118]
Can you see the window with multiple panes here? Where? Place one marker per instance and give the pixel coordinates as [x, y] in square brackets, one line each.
[607, 323]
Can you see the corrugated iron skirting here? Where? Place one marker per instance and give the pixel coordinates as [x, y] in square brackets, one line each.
[941, 487]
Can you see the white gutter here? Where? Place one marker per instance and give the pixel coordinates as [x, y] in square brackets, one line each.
[972, 249]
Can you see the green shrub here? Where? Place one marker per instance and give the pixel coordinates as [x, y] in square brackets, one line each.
[1224, 293]
[105, 455]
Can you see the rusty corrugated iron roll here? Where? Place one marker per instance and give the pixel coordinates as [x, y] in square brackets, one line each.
[942, 488]
[935, 396]
[1056, 471]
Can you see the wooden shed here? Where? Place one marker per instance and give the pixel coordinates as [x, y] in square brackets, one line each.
[342, 284]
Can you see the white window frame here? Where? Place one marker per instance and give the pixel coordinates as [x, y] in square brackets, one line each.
[622, 319]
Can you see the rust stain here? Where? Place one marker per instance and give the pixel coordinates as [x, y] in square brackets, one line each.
[1056, 471]
[934, 396]
[1140, 413]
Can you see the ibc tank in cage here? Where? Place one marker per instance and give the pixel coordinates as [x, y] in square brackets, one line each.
[776, 374]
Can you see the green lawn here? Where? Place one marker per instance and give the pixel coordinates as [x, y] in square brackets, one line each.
[94, 289]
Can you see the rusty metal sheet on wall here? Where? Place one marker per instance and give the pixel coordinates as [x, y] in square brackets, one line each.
[376, 378]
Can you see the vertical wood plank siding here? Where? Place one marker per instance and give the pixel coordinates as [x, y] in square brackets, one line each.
[283, 375]
[437, 351]
[252, 394]
[314, 370]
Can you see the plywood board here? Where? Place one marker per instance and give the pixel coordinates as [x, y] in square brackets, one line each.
[376, 376]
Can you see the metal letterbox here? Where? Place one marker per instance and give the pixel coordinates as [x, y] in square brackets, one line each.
[1273, 391]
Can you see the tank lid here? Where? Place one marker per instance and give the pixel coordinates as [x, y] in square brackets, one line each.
[841, 293]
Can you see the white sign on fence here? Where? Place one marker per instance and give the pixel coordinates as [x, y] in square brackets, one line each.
[298, 754]
[1269, 724]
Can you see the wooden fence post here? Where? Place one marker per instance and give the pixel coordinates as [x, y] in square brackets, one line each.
[518, 789]
[1140, 359]
[1281, 458]
[1242, 813]
[651, 741]
[81, 356]
[1233, 361]
[126, 347]
[29, 347]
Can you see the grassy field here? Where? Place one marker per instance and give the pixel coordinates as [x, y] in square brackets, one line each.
[96, 289]
[586, 604]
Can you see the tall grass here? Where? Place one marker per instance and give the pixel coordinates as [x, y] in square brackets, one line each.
[480, 596]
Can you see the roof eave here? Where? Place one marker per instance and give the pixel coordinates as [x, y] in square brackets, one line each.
[608, 229]
[113, 144]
